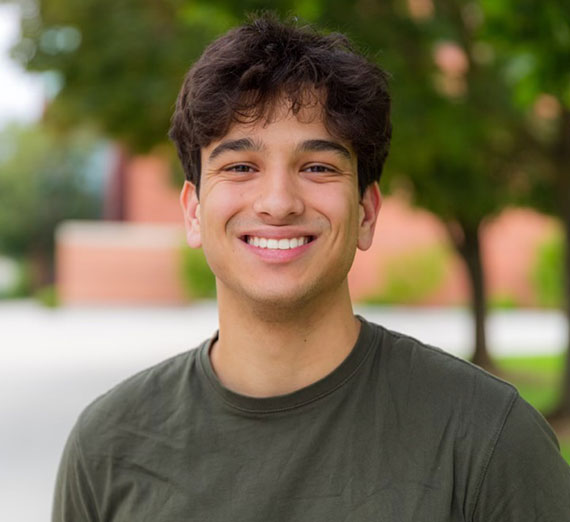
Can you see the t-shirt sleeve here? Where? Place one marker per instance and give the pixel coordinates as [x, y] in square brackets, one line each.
[526, 479]
[73, 499]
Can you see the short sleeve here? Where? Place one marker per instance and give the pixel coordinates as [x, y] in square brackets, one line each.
[526, 479]
[73, 500]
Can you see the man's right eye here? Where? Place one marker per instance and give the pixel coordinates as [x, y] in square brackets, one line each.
[239, 168]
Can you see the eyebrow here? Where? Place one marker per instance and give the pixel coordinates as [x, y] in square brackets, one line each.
[235, 145]
[247, 144]
[324, 145]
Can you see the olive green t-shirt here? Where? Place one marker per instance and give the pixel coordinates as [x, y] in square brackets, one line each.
[399, 432]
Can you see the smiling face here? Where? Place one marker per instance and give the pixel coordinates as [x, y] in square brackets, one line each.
[279, 214]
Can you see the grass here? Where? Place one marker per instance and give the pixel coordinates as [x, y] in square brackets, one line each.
[538, 380]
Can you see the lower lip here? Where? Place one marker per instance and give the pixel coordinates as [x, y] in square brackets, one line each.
[277, 255]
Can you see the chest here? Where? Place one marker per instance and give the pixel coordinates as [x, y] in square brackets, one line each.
[333, 467]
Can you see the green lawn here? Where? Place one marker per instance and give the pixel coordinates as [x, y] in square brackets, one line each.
[538, 381]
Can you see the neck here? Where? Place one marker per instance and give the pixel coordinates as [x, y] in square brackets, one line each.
[263, 355]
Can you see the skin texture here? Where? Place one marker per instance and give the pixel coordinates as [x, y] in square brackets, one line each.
[285, 315]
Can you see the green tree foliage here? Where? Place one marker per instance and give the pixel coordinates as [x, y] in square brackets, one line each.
[532, 44]
[116, 63]
[44, 178]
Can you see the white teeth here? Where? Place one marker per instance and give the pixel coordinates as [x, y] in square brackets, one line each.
[277, 244]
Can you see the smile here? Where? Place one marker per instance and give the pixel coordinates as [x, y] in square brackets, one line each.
[277, 244]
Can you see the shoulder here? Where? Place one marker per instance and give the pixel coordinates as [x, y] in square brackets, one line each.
[525, 476]
[505, 454]
[435, 371]
[432, 388]
[136, 419]
[141, 403]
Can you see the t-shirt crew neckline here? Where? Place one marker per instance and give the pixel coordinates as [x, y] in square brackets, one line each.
[331, 382]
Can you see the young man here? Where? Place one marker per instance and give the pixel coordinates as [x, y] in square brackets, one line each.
[296, 410]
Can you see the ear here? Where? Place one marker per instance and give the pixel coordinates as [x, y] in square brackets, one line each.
[368, 214]
[191, 211]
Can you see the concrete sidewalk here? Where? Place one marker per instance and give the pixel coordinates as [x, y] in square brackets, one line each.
[54, 362]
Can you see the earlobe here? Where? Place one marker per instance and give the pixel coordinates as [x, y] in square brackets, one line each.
[368, 214]
[191, 211]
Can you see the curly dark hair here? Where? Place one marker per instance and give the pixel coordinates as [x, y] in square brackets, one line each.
[242, 74]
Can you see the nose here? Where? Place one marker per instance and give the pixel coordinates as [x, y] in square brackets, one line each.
[279, 196]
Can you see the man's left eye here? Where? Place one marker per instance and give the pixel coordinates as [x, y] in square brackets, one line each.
[319, 168]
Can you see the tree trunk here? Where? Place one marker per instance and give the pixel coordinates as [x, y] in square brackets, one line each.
[562, 411]
[466, 241]
[115, 189]
[42, 271]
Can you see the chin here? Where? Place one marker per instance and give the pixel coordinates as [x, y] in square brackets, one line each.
[282, 303]
[281, 298]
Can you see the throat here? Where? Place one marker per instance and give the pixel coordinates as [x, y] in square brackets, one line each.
[264, 360]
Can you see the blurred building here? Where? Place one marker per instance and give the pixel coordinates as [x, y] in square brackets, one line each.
[133, 257]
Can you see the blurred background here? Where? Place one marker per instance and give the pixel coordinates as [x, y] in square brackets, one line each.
[95, 281]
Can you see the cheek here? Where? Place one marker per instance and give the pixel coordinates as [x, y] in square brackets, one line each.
[220, 206]
[340, 207]
[219, 215]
